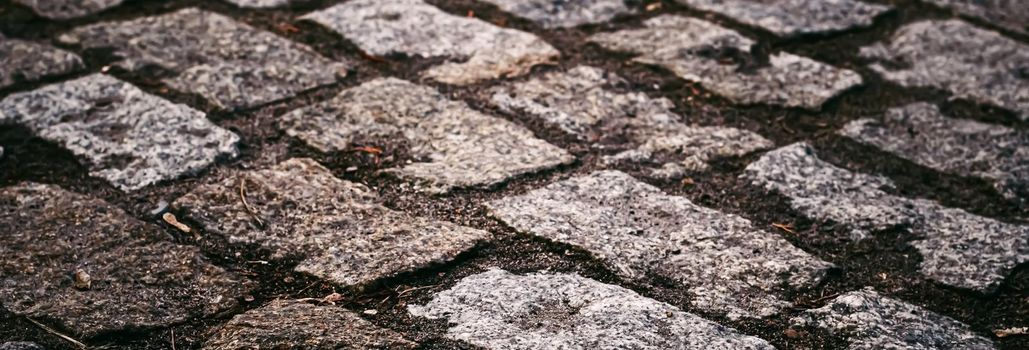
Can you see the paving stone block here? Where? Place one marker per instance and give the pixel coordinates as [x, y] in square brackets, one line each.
[871, 321]
[26, 61]
[128, 137]
[338, 228]
[920, 133]
[721, 60]
[68, 9]
[476, 50]
[294, 324]
[500, 310]
[971, 63]
[1009, 14]
[92, 268]
[726, 264]
[231, 64]
[565, 14]
[454, 145]
[958, 248]
[790, 18]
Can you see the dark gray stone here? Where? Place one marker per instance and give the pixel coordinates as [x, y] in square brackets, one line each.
[26, 61]
[795, 17]
[68, 9]
[1009, 14]
[565, 13]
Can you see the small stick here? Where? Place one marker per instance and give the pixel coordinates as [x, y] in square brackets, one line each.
[173, 339]
[405, 291]
[243, 198]
[784, 227]
[52, 331]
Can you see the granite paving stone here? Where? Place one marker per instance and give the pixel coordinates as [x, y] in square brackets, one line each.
[128, 137]
[231, 64]
[969, 62]
[92, 268]
[27, 61]
[721, 60]
[871, 321]
[727, 265]
[958, 248]
[790, 18]
[294, 324]
[453, 145]
[475, 50]
[920, 133]
[339, 229]
[1009, 14]
[500, 310]
[565, 13]
[68, 9]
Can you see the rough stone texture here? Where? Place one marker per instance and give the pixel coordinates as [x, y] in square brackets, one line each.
[68, 9]
[128, 137]
[958, 248]
[565, 13]
[794, 17]
[20, 345]
[293, 324]
[231, 64]
[454, 145]
[338, 228]
[920, 133]
[25, 61]
[728, 265]
[720, 59]
[969, 62]
[499, 310]
[140, 278]
[871, 321]
[259, 3]
[1009, 14]
[476, 50]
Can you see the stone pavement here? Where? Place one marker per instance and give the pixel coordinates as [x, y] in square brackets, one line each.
[514, 174]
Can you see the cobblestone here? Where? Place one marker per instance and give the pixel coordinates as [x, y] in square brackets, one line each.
[28, 61]
[128, 137]
[499, 310]
[721, 60]
[338, 227]
[969, 62]
[920, 133]
[871, 321]
[957, 248]
[1009, 14]
[20, 345]
[475, 50]
[136, 278]
[728, 265]
[795, 17]
[68, 9]
[565, 14]
[231, 64]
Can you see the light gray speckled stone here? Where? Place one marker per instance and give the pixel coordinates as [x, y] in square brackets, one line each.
[499, 310]
[795, 17]
[476, 50]
[565, 13]
[969, 62]
[139, 277]
[20, 345]
[231, 64]
[582, 103]
[727, 264]
[26, 61]
[68, 9]
[720, 60]
[958, 248]
[293, 324]
[129, 137]
[259, 3]
[338, 228]
[871, 321]
[920, 133]
[455, 146]
[1009, 14]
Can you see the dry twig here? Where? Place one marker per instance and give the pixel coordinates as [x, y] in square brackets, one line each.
[243, 199]
[59, 334]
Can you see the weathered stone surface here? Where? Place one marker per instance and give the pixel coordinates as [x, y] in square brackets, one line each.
[920, 133]
[720, 59]
[20, 345]
[455, 146]
[1010, 14]
[958, 248]
[565, 14]
[338, 228]
[727, 264]
[129, 137]
[139, 277]
[231, 64]
[476, 50]
[293, 324]
[68, 9]
[969, 62]
[871, 321]
[28, 61]
[259, 3]
[499, 310]
[795, 17]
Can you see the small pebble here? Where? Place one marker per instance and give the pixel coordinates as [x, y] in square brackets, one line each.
[82, 279]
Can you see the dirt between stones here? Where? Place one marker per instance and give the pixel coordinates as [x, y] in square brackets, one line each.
[885, 262]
